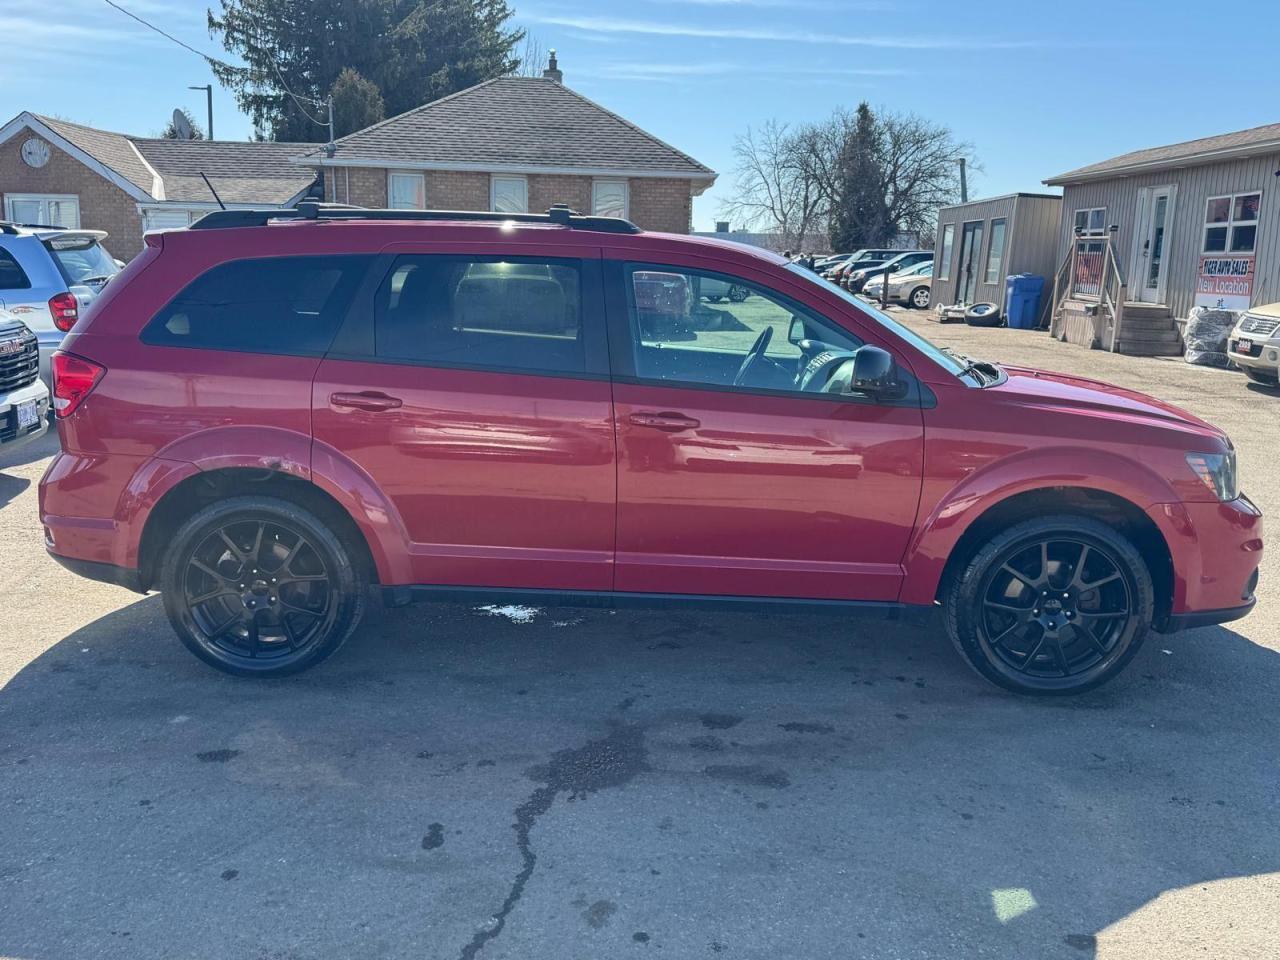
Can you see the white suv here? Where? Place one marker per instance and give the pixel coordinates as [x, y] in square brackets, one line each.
[24, 400]
[48, 275]
[1254, 344]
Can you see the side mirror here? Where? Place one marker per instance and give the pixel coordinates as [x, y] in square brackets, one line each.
[874, 372]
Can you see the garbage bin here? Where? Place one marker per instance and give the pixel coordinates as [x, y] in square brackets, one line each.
[1022, 300]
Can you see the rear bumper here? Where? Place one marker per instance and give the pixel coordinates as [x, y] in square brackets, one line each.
[102, 572]
[1205, 618]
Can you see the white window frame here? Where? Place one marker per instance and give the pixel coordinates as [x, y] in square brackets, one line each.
[946, 251]
[988, 274]
[1088, 212]
[406, 174]
[1230, 224]
[626, 194]
[494, 178]
[10, 198]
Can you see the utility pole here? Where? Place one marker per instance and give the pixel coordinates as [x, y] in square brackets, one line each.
[208, 93]
[964, 183]
[330, 147]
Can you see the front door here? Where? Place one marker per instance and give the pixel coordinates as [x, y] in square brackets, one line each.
[743, 470]
[474, 392]
[970, 261]
[1155, 214]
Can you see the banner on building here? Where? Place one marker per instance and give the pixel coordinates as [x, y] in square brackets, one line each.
[1225, 282]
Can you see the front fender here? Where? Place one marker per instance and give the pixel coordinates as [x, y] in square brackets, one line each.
[951, 510]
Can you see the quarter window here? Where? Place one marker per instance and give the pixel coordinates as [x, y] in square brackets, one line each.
[1091, 222]
[948, 248]
[1231, 223]
[509, 195]
[282, 305]
[610, 198]
[694, 327]
[12, 276]
[487, 313]
[995, 253]
[406, 191]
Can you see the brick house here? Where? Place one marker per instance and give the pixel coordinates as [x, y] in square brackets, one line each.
[515, 144]
[67, 174]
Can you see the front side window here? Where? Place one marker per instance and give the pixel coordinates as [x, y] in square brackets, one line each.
[703, 328]
[279, 305]
[1091, 222]
[609, 198]
[406, 191]
[1231, 223]
[486, 313]
[995, 253]
[948, 248]
[509, 195]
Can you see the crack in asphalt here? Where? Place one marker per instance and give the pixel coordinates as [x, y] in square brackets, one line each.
[612, 761]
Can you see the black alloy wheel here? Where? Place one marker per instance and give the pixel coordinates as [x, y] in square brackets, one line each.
[1052, 606]
[259, 587]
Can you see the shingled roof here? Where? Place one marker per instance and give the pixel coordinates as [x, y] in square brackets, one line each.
[153, 169]
[514, 124]
[1227, 146]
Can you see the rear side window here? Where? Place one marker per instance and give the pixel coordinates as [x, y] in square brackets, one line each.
[12, 276]
[289, 305]
[485, 313]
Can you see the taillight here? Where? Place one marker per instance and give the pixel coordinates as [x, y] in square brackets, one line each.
[65, 310]
[73, 379]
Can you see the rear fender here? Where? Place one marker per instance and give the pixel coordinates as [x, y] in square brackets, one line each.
[938, 531]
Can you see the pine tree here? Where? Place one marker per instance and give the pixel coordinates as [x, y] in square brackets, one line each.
[861, 217]
[356, 103]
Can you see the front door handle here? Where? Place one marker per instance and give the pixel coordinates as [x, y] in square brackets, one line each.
[369, 400]
[671, 422]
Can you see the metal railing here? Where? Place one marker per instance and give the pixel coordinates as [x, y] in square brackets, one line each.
[1091, 272]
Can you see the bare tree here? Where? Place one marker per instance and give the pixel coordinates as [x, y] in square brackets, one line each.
[775, 189]
[921, 164]
[533, 58]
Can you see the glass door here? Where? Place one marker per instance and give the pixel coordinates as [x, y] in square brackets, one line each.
[970, 261]
[1153, 227]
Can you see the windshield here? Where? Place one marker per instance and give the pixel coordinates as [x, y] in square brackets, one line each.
[947, 361]
[83, 262]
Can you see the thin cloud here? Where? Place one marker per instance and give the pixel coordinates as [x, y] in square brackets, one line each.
[610, 25]
[676, 71]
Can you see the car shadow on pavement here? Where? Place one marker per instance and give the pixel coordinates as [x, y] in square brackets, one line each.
[466, 782]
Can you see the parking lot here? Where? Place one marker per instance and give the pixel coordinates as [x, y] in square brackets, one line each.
[462, 782]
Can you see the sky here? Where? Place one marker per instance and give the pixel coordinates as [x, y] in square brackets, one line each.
[1036, 88]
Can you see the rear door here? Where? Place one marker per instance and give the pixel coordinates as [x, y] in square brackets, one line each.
[473, 389]
[740, 478]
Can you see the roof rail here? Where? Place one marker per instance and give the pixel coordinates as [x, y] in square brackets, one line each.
[311, 210]
[11, 226]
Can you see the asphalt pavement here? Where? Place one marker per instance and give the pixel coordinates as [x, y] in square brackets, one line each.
[462, 782]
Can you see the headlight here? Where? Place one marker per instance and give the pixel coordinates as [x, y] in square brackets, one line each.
[1217, 471]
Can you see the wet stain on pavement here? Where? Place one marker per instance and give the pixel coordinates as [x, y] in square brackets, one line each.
[434, 837]
[1081, 941]
[230, 874]
[640, 937]
[719, 721]
[807, 727]
[217, 756]
[749, 776]
[611, 761]
[598, 914]
[707, 744]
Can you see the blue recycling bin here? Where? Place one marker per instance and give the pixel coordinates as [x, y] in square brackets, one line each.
[1022, 293]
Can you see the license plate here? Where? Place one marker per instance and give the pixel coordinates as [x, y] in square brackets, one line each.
[1244, 346]
[27, 415]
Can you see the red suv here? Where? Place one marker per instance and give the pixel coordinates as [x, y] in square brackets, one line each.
[269, 411]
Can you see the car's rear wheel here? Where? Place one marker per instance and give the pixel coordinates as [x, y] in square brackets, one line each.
[257, 586]
[919, 298]
[1054, 605]
[738, 293]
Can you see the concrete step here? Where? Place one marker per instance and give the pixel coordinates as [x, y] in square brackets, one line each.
[1140, 348]
[1153, 311]
[1149, 336]
[1149, 323]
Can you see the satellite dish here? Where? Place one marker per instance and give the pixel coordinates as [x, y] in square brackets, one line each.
[182, 126]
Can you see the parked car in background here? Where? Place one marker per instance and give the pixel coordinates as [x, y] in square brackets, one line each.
[520, 405]
[825, 264]
[1254, 344]
[715, 290]
[911, 286]
[857, 278]
[48, 276]
[24, 399]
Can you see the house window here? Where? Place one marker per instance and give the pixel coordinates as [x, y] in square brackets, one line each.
[995, 253]
[509, 194]
[1231, 223]
[406, 191]
[1091, 222]
[948, 246]
[610, 198]
[53, 210]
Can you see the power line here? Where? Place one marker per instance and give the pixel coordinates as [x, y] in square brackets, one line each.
[280, 76]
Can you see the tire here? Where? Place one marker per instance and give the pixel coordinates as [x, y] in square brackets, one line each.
[260, 587]
[1035, 644]
[919, 298]
[715, 299]
[983, 315]
[1261, 377]
[738, 293]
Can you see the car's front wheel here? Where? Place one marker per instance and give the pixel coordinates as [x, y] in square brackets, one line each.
[257, 586]
[1053, 605]
[919, 298]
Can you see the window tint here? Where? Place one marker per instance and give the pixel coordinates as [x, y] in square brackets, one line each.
[287, 305]
[457, 311]
[700, 328]
[12, 276]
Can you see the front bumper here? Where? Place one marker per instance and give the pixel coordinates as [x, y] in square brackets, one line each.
[1263, 357]
[9, 438]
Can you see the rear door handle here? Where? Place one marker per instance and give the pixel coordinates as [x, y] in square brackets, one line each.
[369, 400]
[671, 422]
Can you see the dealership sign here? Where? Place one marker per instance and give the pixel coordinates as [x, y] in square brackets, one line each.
[1225, 283]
